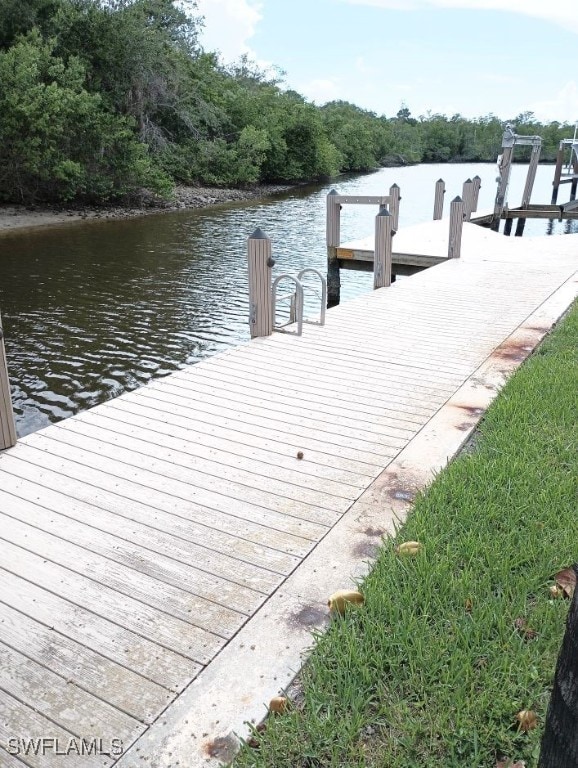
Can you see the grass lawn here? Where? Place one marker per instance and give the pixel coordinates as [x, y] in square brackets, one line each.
[452, 643]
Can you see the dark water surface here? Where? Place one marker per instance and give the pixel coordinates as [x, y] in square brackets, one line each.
[93, 309]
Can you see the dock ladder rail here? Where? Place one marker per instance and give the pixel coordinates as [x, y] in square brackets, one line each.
[296, 297]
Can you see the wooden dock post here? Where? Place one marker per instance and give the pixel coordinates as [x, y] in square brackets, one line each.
[439, 199]
[530, 178]
[574, 183]
[333, 236]
[457, 214]
[382, 251]
[7, 424]
[468, 198]
[260, 264]
[508, 141]
[557, 173]
[394, 193]
[477, 186]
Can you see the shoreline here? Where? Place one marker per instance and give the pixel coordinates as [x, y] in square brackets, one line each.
[15, 219]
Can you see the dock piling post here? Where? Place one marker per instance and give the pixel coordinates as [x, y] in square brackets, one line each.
[530, 178]
[574, 183]
[557, 173]
[333, 236]
[468, 198]
[457, 214]
[394, 193]
[260, 265]
[477, 186]
[382, 252]
[505, 167]
[7, 424]
[439, 199]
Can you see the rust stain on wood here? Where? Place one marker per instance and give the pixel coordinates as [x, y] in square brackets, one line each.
[515, 352]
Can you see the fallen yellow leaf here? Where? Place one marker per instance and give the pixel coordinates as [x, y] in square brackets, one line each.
[343, 597]
[409, 548]
[278, 704]
[527, 720]
[566, 580]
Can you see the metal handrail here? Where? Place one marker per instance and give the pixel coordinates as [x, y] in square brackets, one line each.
[321, 320]
[296, 307]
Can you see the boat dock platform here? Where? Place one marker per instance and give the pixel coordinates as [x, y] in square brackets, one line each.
[165, 556]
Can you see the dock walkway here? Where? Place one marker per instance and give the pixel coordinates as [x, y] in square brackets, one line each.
[139, 537]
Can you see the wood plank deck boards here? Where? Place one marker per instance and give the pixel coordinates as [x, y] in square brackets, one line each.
[138, 537]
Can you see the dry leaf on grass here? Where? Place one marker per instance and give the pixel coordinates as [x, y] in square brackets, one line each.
[339, 600]
[527, 720]
[566, 581]
[524, 629]
[278, 704]
[506, 762]
[409, 548]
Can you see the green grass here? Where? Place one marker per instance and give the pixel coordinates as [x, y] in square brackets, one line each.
[415, 678]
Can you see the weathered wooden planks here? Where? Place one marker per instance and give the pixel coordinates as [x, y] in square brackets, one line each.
[138, 538]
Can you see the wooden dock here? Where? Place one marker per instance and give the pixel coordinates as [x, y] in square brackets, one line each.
[141, 539]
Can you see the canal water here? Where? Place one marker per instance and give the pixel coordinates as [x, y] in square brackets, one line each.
[94, 309]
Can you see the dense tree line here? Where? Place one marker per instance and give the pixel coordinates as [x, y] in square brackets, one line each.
[103, 99]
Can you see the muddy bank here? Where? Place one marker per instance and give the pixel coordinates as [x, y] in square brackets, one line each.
[14, 218]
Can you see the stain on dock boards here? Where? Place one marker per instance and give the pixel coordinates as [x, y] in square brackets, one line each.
[138, 538]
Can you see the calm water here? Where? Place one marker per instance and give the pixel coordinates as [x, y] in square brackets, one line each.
[91, 310]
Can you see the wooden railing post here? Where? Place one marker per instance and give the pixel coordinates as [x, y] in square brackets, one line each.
[382, 250]
[528, 187]
[477, 186]
[7, 424]
[260, 264]
[457, 213]
[574, 182]
[508, 142]
[468, 198]
[394, 193]
[333, 239]
[557, 173]
[439, 199]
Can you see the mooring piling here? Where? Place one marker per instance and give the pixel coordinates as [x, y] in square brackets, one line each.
[394, 194]
[260, 263]
[382, 252]
[476, 192]
[468, 198]
[333, 234]
[457, 215]
[440, 191]
[7, 424]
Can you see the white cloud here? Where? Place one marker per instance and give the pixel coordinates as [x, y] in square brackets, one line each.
[563, 106]
[321, 91]
[563, 12]
[229, 25]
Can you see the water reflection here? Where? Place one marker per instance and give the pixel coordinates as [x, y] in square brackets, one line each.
[95, 309]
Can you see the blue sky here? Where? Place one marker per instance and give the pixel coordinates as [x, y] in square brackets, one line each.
[474, 57]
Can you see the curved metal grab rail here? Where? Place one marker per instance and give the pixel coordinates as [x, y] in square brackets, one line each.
[321, 320]
[297, 303]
